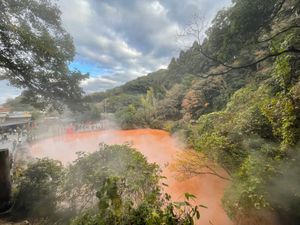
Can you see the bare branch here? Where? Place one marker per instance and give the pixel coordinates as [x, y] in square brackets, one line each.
[279, 33]
[291, 49]
[192, 31]
[196, 27]
[191, 163]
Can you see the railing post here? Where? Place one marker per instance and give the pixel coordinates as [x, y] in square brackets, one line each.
[5, 181]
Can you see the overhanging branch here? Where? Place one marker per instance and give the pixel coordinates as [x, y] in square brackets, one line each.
[279, 33]
[291, 49]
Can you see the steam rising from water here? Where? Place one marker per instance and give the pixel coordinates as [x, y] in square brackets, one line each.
[159, 147]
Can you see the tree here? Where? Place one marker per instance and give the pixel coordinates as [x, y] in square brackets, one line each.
[148, 103]
[89, 173]
[191, 163]
[170, 106]
[235, 36]
[37, 193]
[35, 51]
[129, 118]
[127, 189]
[203, 96]
[113, 210]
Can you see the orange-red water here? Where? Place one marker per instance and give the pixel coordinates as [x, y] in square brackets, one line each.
[158, 146]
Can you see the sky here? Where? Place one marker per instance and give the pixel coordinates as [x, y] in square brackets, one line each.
[120, 40]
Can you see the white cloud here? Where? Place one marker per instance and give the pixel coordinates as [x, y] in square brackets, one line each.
[122, 33]
[129, 38]
[93, 84]
[158, 8]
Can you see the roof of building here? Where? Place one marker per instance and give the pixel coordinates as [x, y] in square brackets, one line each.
[20, 114]
[4, 109]
[14, 121]
[3, 114]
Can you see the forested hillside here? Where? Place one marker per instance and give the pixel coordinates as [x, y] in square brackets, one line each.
[235, 95]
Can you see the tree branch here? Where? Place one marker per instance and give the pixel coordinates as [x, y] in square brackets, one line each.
[217, 174]
[279, 33]
[191, 163]
[211, 173]
[291, 49]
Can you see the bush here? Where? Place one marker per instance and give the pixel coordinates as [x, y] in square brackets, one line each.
[112, 210]
[115, 185]
[90, 171]
[37, 192]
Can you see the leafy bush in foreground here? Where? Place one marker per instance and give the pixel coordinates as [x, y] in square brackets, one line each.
[114, 185]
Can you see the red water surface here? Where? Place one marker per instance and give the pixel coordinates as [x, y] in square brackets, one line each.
[159, 147]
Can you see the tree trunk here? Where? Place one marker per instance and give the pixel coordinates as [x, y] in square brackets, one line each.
[5, 183]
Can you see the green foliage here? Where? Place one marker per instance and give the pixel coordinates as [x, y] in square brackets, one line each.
[17, 104]
[118, 102]
[143, 116]
[36, 51]
[219, 149]
[247, 120]
[178, 127]
[169, 108]
[255, 128]
[280, 111]
[264, 182]
[124, 184]
[284, 189]
[148, 103]
[37, 193]
[91, 112]
[209, 122]
[247, 117]
[282, 71]
[251, 139]
[248, 190]
[236, 30]
[133, 89]
[90, 172]
[205, 95]
[112, 210]
[129, 118]
[115, 185]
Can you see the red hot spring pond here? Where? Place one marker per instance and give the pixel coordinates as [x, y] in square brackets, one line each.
[159, 147]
